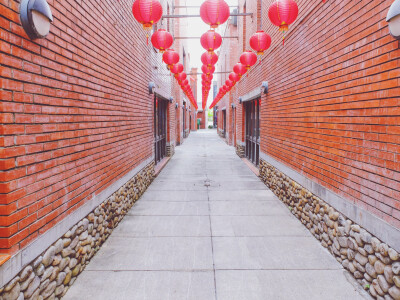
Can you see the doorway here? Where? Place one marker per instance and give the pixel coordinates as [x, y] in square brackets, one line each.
[252, 119]
[160, 128]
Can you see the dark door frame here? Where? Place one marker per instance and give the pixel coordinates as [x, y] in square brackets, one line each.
[252, 125]
[160, 128]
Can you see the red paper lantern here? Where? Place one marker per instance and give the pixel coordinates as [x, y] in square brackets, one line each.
[239, 69]
[147, 12]
[260, 41]
[181, 76]
[170, 57]
[282, 13]
[209, 58]
[234, 77]
[229, 83]
[211, 40]
[214, 12]
[185, 82]
[178, 68]
[162, 40]
[248, 58]
[207, 70]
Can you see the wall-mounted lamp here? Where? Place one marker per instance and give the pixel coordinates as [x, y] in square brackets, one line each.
[171, 99]
[176, 105]
[152, 88]
[36, 18]
[240, 100]
[264, 87]
[233, 105]
[393, 18]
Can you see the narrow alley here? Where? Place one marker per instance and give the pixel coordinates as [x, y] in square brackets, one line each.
[209, 150]
[208, 228]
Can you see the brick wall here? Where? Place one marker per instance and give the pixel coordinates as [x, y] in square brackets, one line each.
[75, 111]
[332, 110]
[228, 57]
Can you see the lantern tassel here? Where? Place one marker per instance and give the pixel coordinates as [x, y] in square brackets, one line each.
[283, 40]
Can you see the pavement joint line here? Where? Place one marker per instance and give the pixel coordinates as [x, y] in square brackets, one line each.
[217, 269]
[205, 236]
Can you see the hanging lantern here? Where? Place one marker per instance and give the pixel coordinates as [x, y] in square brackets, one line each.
[211, 40]
[170, 57]
[206, 77]
[234, 77]
[185, 82]
[209, 59]
[239, 69]
[162, 40]
[147, 12]
[207, 70]
[282, 13]
[214, 12]
[178, 68]
[248, 59]
[180, 77]
[260, 41]
[229, 83]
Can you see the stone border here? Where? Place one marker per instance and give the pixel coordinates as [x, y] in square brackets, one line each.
[50, 275]
[240, 150]
[373, 263]
[370, 222]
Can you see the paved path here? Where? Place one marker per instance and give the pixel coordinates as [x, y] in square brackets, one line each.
[208, 228]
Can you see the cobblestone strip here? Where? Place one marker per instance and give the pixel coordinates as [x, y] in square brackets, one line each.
[374, 264]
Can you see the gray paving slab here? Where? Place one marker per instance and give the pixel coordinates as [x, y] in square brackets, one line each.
[147, 285]
[169, 208]
[174, 196]
[261, 195]
[154, 254]
[231, 239]
[283, 253]
[284, 285]
[248, 208]
[236, 185]
[163, 226]
[258, 226]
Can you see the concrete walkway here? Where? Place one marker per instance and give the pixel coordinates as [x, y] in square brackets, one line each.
[208, 228]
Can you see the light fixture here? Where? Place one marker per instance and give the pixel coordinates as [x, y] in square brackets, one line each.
[233, 105]
[264, 87]
[171, 99]
[393, 18]
[176, 105]
[152, 87]
[36, 18]
[240, 100]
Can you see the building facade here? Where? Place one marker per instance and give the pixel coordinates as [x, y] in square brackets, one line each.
[79, 127]
[319, 118]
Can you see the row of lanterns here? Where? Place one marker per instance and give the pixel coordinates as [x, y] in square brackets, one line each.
[281, 13]
[147, 13]
[213, 13]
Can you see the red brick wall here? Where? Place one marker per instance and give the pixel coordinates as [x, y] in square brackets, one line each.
[228, 57]
[332, 110]
[75, 111]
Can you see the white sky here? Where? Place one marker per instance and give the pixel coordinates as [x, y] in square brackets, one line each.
[197, 27]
